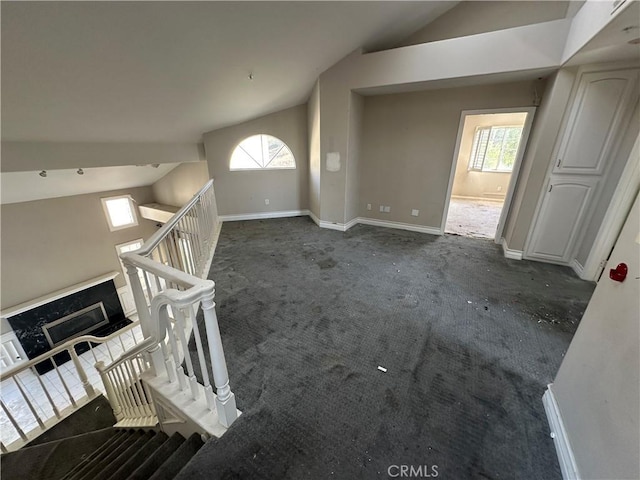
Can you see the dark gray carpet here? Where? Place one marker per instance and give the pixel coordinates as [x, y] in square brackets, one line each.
[468, 338]
[95, 415]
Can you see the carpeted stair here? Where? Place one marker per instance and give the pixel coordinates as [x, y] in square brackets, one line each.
[106, 454]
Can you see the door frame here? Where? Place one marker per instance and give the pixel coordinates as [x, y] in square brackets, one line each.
[617, 212]
[526, 130]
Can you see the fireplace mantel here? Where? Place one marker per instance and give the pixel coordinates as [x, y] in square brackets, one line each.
[23, 307]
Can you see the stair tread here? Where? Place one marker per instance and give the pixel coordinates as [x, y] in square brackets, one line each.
[106, 470]
[96, 465]
[151, 465]
[53, 459]
[139, 457]
[114, 439]
[172, 466]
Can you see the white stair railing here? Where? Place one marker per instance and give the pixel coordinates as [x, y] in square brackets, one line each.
[128, 395]
[31, 402]
[166, 276]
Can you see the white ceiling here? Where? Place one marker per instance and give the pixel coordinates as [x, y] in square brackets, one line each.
[26, 186]
[170, 71]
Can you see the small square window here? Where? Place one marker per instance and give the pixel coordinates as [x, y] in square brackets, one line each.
[120, 212]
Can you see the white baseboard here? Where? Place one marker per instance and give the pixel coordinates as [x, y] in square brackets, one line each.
[578, 268]
[398, 225]
[508, 253]
[566, 459]
[263, 215]
[315, 219]
[341, 227]
[351, 223]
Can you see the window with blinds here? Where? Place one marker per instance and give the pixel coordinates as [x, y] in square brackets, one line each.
[494, 149]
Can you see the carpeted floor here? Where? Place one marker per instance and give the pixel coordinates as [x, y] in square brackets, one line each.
[469, 340]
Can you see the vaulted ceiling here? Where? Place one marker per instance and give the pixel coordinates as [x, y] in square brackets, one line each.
[170, 71]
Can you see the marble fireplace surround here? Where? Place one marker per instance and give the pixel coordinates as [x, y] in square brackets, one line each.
[27, 319]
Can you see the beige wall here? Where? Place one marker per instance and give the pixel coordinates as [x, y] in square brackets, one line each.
[597, 387]
[469, 18]
[48, 245]
[354, 149]
[408, 146]
[335, 112]
[535, 163]
[313, 120]
[178, 186]
[490, 185]
[244, 192]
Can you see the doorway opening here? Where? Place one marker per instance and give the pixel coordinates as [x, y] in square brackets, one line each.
[487, 159]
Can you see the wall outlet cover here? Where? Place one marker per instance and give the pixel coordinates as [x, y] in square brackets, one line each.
[382, 208]
[266, 201]
[368, 206]
[415, 212]
[387, 209]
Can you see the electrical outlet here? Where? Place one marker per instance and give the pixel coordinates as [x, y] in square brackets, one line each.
[499, 188]
[368, 206]
[414, 212]
[266, 201]
[382, 208]
[387, 209]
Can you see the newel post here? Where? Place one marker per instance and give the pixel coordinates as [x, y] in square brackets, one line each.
[225, 400]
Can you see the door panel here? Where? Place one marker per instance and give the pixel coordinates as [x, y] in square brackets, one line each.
[602, 102]
[563, 209]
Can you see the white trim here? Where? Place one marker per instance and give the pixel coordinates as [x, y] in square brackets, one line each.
[566, 459]
[509, 253]
[315, 219]
[577, 267]
[341, 227]
[23, 307]
[526, 130]
[399, 225]
[352, 223]
[614, 218]
[263, 215]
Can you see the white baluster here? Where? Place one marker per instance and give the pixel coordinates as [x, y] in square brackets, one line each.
[13, 421]
[208, 390]
[29, 404]
[64, 384]
[225, 400]
[46, 393]
[86, 384]
[175, 354]
[114, 401]
[138, 296]
[180, 326]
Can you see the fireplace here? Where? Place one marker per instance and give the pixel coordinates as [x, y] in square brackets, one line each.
[76, 324]
[91, 308]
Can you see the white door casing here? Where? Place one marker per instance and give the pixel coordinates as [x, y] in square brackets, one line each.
[526, 129]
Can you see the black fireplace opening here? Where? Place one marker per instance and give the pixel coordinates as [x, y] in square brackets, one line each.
[76, 324]
[80, 313]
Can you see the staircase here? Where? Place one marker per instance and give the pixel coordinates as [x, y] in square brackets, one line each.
[107, 454]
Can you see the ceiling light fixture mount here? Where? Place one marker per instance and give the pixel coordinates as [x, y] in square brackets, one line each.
[43, 173]
[80, 171]
[250, 76]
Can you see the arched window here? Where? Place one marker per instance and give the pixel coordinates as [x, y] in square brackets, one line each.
[260, 152]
